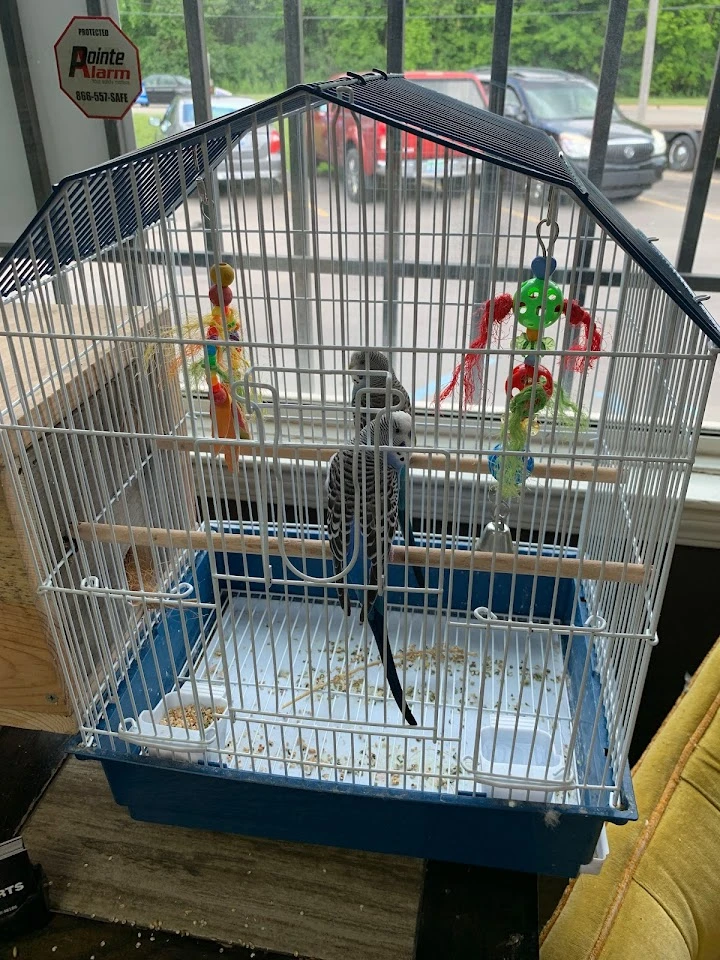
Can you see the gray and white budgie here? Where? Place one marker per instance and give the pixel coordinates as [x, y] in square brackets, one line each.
[363, 363]
[356, 467]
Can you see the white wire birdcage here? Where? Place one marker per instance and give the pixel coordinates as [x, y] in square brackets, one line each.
[170, 456]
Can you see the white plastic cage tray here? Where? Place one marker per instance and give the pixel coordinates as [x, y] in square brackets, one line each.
[179, 743]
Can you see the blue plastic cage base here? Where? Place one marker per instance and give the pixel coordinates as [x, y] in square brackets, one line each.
[321, 754]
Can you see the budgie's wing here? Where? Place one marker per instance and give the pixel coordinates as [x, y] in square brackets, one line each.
[340, 515]
[388, 516]
[406, 524]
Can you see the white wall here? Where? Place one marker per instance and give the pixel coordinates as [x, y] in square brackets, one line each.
[72, 141]
[17, 201]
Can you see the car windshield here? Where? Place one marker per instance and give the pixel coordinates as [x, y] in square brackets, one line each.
[218, 109]
[563, 100]
[458, 87]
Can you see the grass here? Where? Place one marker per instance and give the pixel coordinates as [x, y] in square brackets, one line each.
[144, 133]
[666, 101]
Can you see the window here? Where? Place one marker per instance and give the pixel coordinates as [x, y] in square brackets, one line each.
[461, 88]
[566, 100]
[513, 107]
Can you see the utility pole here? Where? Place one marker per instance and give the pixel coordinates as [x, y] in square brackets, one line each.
[395, 64]
[648, 57]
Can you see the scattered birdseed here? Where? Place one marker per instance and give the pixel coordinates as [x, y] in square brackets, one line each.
[54, 949]
[109, 858]
[302, 913]
[14, 951]
[102, 943]
[137, 945]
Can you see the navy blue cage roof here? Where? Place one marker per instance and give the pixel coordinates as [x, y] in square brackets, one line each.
[107, 205]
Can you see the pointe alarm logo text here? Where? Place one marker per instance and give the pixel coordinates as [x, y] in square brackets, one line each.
[98, 67]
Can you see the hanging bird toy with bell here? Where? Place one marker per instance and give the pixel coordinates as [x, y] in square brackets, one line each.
[537, 305]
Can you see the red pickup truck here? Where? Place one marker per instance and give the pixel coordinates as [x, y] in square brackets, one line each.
[358, 145]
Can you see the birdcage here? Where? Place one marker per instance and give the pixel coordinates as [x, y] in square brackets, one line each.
[347, 438]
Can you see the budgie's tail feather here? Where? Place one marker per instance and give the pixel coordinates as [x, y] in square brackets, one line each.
[376, 619]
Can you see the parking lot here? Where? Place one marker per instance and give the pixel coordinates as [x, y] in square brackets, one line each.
[257, 226]
[660, 212]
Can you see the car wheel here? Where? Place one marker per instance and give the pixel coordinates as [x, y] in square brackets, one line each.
[624, 197]
[355, 179]
[682, 153]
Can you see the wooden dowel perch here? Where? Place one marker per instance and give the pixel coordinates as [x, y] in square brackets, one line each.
[570, 567]
[419, 461]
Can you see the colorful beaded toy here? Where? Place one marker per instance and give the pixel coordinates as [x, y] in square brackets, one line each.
[223, 363]
[538, 304]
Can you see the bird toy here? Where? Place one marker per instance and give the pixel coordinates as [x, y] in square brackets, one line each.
[219, 365]
[538, 304]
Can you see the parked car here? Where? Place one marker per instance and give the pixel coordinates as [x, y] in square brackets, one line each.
[180, 116]
[360, 151]
[563, 105]
[142, 100]
[683, 147]
[163, 87]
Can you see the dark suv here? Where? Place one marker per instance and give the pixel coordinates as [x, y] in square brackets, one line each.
[563, 105]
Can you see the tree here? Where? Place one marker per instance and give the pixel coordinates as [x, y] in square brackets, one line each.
[246, 42]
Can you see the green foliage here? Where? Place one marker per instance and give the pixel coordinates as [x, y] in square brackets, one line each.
[246, 39]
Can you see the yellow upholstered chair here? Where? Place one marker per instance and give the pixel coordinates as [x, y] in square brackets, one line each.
[658, 894]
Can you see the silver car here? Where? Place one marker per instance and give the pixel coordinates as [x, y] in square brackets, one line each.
[180, 116]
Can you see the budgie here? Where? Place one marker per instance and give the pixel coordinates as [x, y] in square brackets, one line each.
[347, 469]
[363, 364]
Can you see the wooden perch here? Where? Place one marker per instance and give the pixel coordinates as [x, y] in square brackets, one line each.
[577, 472]
[528, 564]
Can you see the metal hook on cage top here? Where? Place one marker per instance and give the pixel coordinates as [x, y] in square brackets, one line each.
[540, 264]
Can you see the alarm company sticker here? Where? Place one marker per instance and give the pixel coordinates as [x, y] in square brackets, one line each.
[98, 67]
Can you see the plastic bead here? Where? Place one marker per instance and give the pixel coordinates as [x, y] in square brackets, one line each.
[528, 303]
[220, 394]
[522, 376]
[214, 297]
[227, 275]
[538, 267]
[521, 474]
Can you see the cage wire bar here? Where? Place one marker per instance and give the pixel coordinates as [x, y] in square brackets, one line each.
[176, 574]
